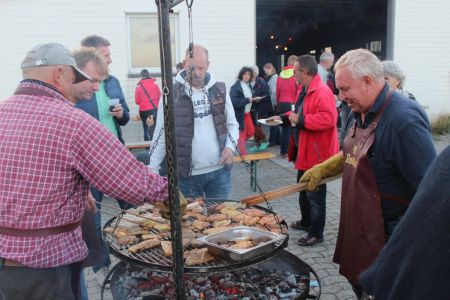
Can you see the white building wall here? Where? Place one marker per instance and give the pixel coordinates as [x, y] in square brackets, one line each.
[226, 28]
[421, 48]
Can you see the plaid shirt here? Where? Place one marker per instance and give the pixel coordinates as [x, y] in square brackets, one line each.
[50, 151]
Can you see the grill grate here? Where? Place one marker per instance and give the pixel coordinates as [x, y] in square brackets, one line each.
[154, 258]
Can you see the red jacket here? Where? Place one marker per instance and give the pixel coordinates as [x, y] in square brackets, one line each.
[141, 98]
[319, 140]
[286, 86]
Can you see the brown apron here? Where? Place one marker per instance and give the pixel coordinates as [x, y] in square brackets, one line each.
[361, 227]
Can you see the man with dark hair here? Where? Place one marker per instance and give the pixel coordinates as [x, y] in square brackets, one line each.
[48, 161]
[98, 107]
[99, 43]
[314, 140]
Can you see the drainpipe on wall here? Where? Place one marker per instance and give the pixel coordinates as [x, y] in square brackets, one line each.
[390, 29]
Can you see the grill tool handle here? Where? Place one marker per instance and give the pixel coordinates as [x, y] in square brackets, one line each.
[281, 192]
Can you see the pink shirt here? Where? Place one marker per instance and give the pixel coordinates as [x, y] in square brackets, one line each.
[50, 151]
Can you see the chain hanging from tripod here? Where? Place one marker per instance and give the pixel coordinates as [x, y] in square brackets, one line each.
[246, 164]
[191, 72]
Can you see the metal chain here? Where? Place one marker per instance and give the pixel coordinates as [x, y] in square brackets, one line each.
[165, 92]
[246, 164]
[191, 31]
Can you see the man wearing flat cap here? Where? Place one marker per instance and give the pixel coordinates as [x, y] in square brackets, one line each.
[51, 153]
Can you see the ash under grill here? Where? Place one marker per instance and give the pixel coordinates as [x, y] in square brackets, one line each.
[284, 277]
[154, 258]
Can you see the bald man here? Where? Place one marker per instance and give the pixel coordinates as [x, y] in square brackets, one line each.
[206, 128]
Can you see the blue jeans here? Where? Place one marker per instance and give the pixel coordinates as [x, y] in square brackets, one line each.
[313, 209]
[213, 185]
[98, 196]
[285, 136]
[83, 287]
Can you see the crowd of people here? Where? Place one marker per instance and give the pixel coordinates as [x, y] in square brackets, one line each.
[55, 170]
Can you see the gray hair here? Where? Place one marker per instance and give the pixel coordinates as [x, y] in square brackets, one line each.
[95, 41]
[391, 69]
[327, 56]
[255, 69]
[361, 62]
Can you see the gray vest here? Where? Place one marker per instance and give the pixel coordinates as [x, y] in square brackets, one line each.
[184, 123]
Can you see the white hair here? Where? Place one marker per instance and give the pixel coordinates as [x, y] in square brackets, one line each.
[327, 56]
[361, 62]
[391, 69]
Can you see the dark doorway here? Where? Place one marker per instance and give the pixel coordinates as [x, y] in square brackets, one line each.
[310, 26]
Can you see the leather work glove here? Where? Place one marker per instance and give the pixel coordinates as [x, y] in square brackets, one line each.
[330, 167]
[164, 206]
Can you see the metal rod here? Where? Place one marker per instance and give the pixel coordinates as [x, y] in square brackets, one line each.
[169, 125]
[114, 215]
[175, 3]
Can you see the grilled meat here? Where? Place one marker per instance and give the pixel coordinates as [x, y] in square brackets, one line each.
[147, 244]
[197, 257]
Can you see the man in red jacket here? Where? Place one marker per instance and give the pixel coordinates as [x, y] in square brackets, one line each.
[314, 140]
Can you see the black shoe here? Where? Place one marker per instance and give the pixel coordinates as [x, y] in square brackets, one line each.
[309, 241]
[298, 225]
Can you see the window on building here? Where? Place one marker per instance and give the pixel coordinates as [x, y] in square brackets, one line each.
[143, 45]
[374, 46]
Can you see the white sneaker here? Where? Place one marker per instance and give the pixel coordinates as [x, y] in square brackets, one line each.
[100, 276]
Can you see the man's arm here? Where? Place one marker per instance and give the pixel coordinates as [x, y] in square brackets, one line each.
[414, 151]
[232, 124]
[159, 151]
[102, 160]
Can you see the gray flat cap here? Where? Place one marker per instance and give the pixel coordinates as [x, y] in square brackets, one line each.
[51, 54]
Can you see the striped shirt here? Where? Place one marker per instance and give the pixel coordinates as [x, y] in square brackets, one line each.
[50, 152]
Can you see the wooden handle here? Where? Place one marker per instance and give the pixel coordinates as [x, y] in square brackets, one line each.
[284, 191]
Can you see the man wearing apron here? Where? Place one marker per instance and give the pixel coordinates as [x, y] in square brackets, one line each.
[387, 150]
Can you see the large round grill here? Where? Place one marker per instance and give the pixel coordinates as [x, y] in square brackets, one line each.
[154, 258]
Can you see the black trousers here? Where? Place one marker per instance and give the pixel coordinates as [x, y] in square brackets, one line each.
[22, 283]
[148, 131]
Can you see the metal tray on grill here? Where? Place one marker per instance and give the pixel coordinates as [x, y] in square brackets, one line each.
[241, 233]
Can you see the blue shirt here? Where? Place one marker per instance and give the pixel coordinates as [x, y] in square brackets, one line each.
[402, 151]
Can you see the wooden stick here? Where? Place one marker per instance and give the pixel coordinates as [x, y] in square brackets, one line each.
[284, 191]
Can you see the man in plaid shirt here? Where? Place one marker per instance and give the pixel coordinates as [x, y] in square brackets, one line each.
[50, 154]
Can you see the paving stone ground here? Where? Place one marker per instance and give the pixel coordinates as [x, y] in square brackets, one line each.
[273, 174]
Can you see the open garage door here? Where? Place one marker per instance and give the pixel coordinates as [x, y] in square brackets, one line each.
[286, 27]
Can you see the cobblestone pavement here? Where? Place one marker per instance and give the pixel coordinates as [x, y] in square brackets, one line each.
[273, 174]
